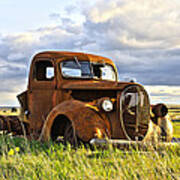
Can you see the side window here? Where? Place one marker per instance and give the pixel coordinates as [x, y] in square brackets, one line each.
[43, 71]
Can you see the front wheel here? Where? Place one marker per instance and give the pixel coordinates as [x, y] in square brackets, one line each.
[70, 135]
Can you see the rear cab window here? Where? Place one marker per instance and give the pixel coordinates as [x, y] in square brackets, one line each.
[43, 70]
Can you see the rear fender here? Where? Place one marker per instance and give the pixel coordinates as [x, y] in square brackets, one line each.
[87, 121]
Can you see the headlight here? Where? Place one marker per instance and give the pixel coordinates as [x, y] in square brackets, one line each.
[107, 105]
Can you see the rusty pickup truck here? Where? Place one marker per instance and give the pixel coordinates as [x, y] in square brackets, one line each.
[76, 97]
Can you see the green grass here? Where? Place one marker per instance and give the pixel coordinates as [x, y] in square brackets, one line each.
[174, 111]
[176, 129]
[20, 159]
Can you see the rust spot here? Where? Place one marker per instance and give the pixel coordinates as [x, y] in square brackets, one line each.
[98, 133]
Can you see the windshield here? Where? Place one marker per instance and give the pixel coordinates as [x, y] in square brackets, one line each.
[85, 69]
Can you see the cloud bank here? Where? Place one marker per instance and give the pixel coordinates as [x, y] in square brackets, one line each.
[140, 36]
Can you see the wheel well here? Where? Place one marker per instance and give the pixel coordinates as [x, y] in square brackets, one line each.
[58, 126]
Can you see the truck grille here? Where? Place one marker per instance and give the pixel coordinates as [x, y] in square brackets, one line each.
[134, 112]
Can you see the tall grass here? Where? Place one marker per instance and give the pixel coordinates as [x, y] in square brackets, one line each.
[20, 159]
[176, 129]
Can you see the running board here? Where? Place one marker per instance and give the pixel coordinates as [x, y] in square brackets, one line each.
[125, 144]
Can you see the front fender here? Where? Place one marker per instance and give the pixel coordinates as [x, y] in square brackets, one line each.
[87, 122]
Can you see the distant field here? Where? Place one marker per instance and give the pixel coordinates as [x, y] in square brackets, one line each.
[9, 111]
[174, 111]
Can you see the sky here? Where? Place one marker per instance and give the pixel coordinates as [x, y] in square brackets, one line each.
[142, 37]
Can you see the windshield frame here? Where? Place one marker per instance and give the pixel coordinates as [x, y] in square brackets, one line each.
[91, 69]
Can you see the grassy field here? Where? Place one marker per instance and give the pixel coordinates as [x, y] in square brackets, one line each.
[20, 159]
[174, 111]
[6, 111]
[176, 129]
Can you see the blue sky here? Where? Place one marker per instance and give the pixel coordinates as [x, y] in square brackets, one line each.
[21, 16]
[142, 37]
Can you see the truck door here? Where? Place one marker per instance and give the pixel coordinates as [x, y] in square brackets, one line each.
[41, 92]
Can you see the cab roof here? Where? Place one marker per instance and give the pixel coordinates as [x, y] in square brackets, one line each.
[60, 55]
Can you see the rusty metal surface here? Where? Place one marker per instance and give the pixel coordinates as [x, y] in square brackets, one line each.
[43, 96]
[49, 102]
[61, 55]
[95, 85]
[86, 121]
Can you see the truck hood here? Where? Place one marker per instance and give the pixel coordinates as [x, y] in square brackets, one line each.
[96, 85]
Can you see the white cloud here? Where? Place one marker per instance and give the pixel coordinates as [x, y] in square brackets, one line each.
[8, 99]
[168, 94]
[15, 56]
[141, 37]
[140, 23]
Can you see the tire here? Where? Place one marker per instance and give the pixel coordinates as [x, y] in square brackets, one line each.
[70, 135]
